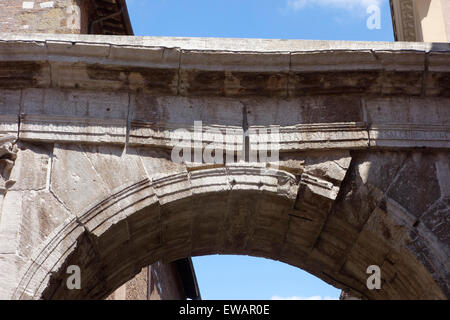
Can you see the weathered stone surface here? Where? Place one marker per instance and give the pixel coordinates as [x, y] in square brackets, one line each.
[246, 209]
[414, 122]
[24, 74]
[10, 222]
[41, 215]
[30, 171]
[74, 174]
[153, 66]
[233, 68]
[408, 190]
[9, 111]
[108, 162]
[157, 162]
[157, 121]
[306, 123]
[53, 115]
[305, 110]
[11, 273]
[376, 210]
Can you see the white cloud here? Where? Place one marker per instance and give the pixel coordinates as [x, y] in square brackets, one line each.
[343, 4]
[303, 298]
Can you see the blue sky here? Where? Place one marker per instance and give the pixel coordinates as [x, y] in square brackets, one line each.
[282, 19]
[247, 278]
[231, 277]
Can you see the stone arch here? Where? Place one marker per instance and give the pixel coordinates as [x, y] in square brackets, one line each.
[360, 126]
[138, 205]
[298, 214]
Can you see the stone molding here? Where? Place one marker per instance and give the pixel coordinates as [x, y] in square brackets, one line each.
[129, 64]
[404, 18]
[391, 122]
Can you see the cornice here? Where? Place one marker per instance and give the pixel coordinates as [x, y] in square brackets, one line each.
[53, 78]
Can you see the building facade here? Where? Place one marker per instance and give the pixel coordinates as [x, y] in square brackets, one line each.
[65, 17]
[173, 281]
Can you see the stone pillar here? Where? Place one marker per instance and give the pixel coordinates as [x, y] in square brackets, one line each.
[421, 20]
[43, 16]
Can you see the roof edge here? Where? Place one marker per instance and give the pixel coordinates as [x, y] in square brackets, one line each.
[188, 277]
[126, 17]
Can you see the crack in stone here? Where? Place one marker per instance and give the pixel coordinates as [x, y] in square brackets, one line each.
[128, 129]
[61, 202]
[246, 138]
[288, 79]
[425, 74]
[300, 217]
[19, 116]
[49, 170]
[179, 70]
[339, 165]
[107, 187]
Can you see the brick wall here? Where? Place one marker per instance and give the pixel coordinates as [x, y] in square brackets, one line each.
[163, 284]
[43, 16]
[135, 289]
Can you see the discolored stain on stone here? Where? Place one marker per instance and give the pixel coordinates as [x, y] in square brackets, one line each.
[356, 200]
[437, 219]
[99, 72]
[200, 83]
[402, 83]
[153, 80]
[422, 251]
[265, 84]
[379, 168]
[333, 109]
[84, 257]
[438, 84]
[416, 187]
[19, 74]
[386, 232]
[147, 109]
[311, 83]
[383, 205]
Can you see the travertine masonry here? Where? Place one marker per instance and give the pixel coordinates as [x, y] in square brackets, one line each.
[88, 179]
[42, 16]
